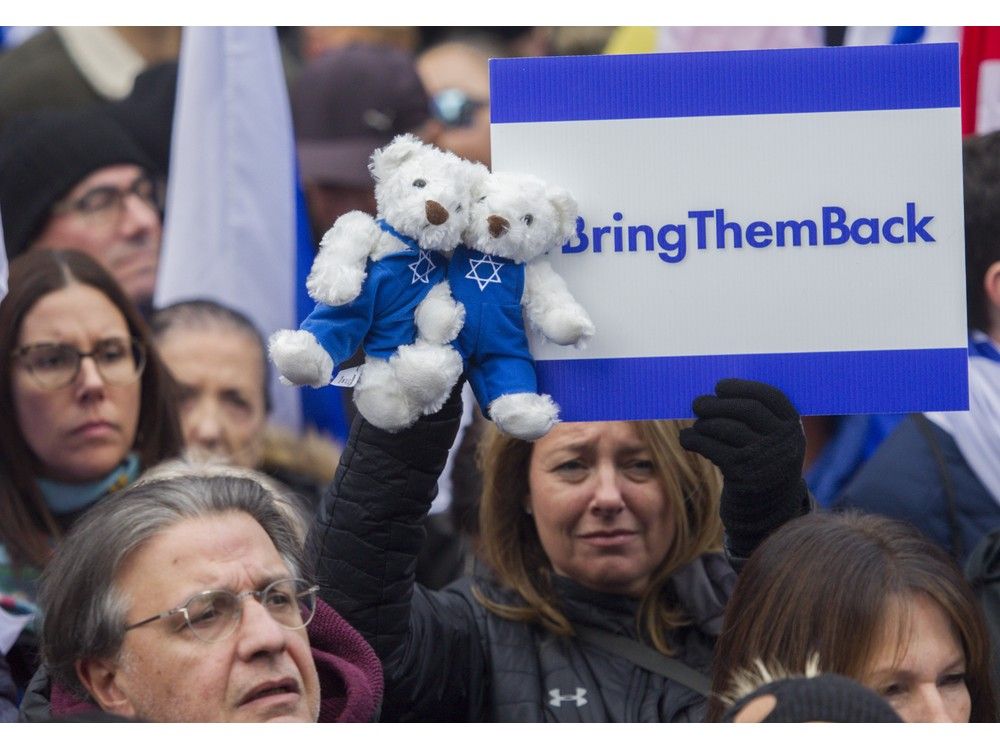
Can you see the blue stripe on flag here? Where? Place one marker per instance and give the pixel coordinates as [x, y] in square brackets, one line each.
[817, 382]
[908, 34]
[704, 84]
[321, 407]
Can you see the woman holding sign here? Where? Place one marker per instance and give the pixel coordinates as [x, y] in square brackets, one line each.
[607, 570]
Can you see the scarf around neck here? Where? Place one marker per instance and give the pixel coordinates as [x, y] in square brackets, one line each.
[64, 497]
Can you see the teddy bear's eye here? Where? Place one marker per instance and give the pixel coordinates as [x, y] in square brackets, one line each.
[420, 183]
[527, 219]
[458, 208]
[480, 199]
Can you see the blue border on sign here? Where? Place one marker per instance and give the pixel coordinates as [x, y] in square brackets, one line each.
[706, 84]
[855, 382]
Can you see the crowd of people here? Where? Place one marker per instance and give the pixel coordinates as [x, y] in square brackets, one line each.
[167, 554]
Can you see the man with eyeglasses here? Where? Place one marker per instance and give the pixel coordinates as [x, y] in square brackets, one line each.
[184, 598]
[77, 180]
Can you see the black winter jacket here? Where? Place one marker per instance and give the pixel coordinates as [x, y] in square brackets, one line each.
[445, 656]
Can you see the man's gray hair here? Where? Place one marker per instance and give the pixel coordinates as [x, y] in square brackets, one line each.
[83, 612]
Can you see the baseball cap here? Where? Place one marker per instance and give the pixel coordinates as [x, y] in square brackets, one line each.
[348, 103]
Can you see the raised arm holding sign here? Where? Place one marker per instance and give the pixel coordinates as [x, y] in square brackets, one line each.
[582, 531]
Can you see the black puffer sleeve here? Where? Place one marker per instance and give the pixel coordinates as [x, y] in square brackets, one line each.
[367, 536]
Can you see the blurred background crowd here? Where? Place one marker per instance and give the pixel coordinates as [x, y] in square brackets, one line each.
[100, 380]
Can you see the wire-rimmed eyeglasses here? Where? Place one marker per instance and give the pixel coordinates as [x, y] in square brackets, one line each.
[119, 360]
[214, 615]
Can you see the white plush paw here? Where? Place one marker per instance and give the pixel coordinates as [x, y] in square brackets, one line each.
[380, 398]
[333, 282]
[527, 416]
[352, 234]
[567, 325]
[439, 320]
[427, 373]
[300, 359]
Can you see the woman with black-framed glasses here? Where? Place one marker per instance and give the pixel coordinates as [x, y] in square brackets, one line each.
[86, 404]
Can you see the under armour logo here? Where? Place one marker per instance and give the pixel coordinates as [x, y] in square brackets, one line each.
[493, 278]
[421, 268]
[558, 698]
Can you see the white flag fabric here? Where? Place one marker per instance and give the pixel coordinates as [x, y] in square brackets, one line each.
[230, 232]
[3, 264]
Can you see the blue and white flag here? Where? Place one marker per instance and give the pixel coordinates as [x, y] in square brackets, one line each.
[871, 35]
[236, 230]
[791, 216]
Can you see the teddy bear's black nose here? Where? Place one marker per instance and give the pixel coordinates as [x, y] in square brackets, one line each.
[436, 213]
[498, 225]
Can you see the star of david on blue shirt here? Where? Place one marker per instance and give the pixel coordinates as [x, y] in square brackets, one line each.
[493, 278]
[424, 262]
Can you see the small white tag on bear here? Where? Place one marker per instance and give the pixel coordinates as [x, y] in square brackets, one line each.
[347, 378]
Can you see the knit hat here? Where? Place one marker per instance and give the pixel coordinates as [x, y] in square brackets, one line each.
[44, 154]
[350, 102]
[148, 112]
[826, 697]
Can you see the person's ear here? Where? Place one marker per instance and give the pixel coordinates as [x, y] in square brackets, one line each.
[101, 678]
[991, 284]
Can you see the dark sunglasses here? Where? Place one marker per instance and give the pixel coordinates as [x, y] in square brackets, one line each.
[455, 108]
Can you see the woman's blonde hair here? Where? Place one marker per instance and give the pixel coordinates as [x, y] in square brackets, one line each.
[511, 547]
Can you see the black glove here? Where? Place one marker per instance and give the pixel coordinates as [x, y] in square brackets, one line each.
[752, 432]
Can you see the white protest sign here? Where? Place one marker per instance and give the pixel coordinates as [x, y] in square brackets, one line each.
[790, 216]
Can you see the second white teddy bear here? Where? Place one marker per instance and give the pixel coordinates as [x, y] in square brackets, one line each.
[369, 278]
[500, 278]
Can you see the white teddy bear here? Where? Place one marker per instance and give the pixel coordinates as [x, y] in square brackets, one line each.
[371, 278]
[497, 274]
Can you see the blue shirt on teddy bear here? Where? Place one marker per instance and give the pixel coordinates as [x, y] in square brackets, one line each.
[381, 316]
[493, 341]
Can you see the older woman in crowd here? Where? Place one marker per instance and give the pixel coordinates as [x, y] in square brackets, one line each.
[871, 599]
[607, 575]
[219, 360]
[87, 404]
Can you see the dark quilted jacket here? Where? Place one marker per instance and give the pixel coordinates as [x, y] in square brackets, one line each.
[904, 480]
[445, 656]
